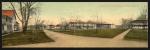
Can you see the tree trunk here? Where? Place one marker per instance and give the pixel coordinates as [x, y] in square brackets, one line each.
[25, 27]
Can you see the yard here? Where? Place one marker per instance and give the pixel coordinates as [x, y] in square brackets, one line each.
[104, 33]
[28, 37]
[137, 34]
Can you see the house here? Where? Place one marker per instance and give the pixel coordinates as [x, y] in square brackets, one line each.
[51, 27]
[9, 23]
[88, 25]
[139, 24]
[16, 26]
[76, 25]
[103, 26]
[58, 26]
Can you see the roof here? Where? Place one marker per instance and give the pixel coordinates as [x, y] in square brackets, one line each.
[50, 25]
[104, 24]
[139, 21]
[8, 12]
[58, 25]
[76, 22]
[89, 22]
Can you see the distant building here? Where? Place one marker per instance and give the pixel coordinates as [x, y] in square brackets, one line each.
[139, 24]
[77, 25]
[9, 23]
[36, 27]
[58, 26]
[88, 25]
[104, 26]
[51, 26]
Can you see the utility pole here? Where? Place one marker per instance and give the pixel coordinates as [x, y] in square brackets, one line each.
[101, 24]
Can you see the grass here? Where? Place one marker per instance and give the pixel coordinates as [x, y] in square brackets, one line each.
[137, 34]
[105, 33]
[4, 33]
[19, 38]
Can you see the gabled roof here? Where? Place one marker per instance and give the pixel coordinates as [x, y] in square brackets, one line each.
[8, 12]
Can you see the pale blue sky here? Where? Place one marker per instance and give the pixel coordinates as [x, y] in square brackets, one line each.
[110, 12]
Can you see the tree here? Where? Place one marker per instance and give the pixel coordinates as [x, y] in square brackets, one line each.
[97, 22]
[126, 23]
[26, 10]
[38, 22]
[143, 15]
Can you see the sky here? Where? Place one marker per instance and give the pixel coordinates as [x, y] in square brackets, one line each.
[109, 12]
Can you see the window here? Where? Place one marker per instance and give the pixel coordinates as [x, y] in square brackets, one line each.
[10, 20]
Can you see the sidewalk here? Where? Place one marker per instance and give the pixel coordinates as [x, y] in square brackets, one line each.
[122, 35]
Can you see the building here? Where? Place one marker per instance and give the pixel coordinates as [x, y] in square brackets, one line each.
[77, 25]
[103, 26]
[51, 27]
[58, 26]
[9, 23]
[139, 24]
[88, 25]
[16, 26]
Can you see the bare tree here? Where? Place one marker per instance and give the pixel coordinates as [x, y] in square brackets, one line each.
[144, 15]
[76, 22]
[26, 10]
[38, 21]
[126, 23]
[96, 24]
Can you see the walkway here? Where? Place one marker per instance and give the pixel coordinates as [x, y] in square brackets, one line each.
[121, 36]
[65, 40]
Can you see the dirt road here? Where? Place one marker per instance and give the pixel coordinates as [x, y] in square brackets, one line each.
[65, 40]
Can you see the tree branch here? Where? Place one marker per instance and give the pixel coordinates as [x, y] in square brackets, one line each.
[15, 12]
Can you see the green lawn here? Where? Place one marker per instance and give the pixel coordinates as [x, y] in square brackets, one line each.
[137, 34]
[105, 33]
[28, 37]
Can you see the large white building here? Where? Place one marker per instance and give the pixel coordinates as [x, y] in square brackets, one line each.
[89, 25]
[139, 24]
[9, 23]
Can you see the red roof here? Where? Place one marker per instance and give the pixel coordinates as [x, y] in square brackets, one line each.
[8, 12]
